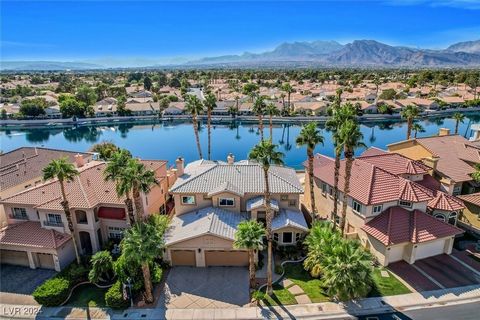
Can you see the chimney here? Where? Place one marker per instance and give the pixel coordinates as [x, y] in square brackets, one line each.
[443, 132]
[79, 161]
[230, 158]
[180, 164]
[431, 162]
[476, 132]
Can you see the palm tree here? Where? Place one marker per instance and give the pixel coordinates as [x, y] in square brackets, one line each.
[310, 137]
[265, 153]
[476, 174]
[209, 103]
[282, 96]
[351, 138]
[137, 178]
[64, 171]
[417, 127]
[458, 117]
[102, 267]
[347, 272]
[410, 112]
[271, 110]
[287, 87]
[259, 110]
[249, 235]
[194, 106]
[141, 245]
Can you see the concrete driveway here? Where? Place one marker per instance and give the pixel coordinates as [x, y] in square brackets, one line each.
[22, 280]
[212, 287]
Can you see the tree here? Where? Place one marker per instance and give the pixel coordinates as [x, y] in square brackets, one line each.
[271, 110]
[114, 171]
[347, 271]
[105, 149]
[250, 89]
[210, 103]
[33, 107]
[259, 109]
[249, 236]
[473, 80]
[63, 171]
[266, 154]
[86, 95]
[194, 106]
[4, 114]
[147, 83]
[288, 89]
[310, 137]
[351, 138]
[410, 113]
[102, 267]
[417, 127]
[388, 94]
[70, 107]
[141, 245]
[458, 117]
[476, 174]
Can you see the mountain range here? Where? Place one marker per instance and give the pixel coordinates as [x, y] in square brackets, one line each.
[359, 53]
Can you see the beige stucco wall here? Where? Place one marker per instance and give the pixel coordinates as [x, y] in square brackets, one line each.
[410, 149]
[294, 231]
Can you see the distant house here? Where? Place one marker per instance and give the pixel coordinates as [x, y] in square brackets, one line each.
[470, 217]
[370, 97]
[453, 101]
[423, 104]
[310, 108]
[106, 107]
[53, 112]
[143, 109]
[10, 108]
[174, 108]
[222, 108]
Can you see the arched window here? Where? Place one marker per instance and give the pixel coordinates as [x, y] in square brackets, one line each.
[452, 218]
[81, 217]
[440, 217]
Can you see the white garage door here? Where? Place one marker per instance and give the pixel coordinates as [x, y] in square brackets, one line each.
[395, 254]
[18, 258]
[430, 249]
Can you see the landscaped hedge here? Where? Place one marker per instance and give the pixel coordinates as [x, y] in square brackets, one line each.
[114, 297]
[52, 292]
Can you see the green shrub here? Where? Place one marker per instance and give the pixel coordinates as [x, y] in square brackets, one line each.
[114, 297]
[52, 292]
[74, 273]
[157, 273]
[258, 295]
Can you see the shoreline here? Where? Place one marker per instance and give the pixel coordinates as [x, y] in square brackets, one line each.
[70, 122]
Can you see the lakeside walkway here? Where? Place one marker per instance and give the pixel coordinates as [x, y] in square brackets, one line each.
[305, 311]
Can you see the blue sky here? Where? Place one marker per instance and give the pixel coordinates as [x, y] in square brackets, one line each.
[111, 32]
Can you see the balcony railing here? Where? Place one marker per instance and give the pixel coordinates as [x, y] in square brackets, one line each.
[53, 223]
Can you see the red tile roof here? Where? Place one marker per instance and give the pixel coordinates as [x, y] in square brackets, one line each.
[397, 225]
[394, 163]
[31, 234]
[473, 198]
[442, 201]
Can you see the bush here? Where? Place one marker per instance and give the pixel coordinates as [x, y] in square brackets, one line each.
[52, 292]
[114, 297]
[74, 273]
[278, 269]
[157, 273]
[258, 295]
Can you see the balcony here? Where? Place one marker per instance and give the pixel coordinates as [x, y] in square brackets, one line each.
[56, 224]
[18, 217]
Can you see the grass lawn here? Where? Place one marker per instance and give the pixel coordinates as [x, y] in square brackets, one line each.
[88, 295]
[280, 296]
[312, 287]
[386, 286]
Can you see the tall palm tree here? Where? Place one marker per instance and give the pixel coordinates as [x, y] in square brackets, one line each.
[259, 110]
[416, 128]
[287, 87]
[271, 110]
[210, 102]
[310, 137]
[194, 107]
[114, 172]
[458, 117]
[351, 138]
[64, 171]
[139, 179]
[410, 113]
[249, 236]
[142, 244]
[266, 154]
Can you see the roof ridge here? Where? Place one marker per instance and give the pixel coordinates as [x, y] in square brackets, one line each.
[44, 184]
[83, 190]
[283, 179]
[389, 225]
[372, 178]
[195, 177]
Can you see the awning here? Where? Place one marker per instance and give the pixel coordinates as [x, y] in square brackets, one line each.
[111, 213]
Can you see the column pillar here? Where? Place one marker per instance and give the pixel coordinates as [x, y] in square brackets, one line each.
[31, 261]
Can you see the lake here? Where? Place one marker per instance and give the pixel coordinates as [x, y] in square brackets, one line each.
[169, 140]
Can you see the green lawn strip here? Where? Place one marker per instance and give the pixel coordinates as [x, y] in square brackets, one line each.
[87, 295]
[280, 296]
[312, 287]
[390, 286]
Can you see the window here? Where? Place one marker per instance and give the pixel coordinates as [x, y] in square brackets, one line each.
[287, 237]
[54, 219]
[356, 206]
[377, 209]
[324, 188]
[407, 204]
[292, 203]
[440, 217]
[297, 237]
[452, 218]
[81, 217]
[226, 202]
[188, 199]
[115, 232]
[19, 213]
[284, 197]
[275, 237]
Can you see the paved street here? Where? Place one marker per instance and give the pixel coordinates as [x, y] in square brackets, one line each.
[212, 287]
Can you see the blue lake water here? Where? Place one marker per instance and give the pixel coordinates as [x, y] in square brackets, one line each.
[170, 140]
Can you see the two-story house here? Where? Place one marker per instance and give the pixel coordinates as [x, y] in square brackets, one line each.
[37, 234]
[213, 197]
[394, 206]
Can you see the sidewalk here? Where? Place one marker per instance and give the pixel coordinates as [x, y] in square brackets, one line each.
[307, 311]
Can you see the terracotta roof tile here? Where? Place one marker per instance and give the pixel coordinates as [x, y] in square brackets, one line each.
[443, 201]
[31, 234]
[473, 198]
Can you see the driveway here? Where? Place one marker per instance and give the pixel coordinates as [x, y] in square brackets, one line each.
[22, 280]
[436, 272]
[212, 287]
